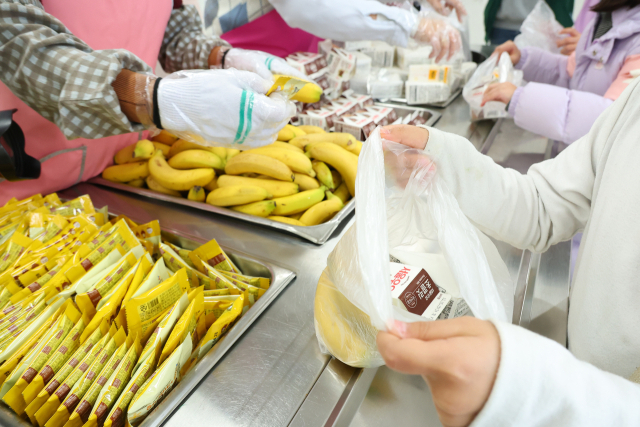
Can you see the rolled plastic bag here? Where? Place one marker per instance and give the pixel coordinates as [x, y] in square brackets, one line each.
[402, 202]
[540, 29]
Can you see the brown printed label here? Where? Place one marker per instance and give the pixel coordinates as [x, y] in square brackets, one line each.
[94, 296]
[417, 296]
[71, 402]
[53, 386]
[115, 417]
[83, 367]
[216, 260]
[29, 375]
[46, 373]
[102, 380]
[84, 410]
[101, 411]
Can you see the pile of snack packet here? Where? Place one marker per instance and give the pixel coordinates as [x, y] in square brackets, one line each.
[100, 319]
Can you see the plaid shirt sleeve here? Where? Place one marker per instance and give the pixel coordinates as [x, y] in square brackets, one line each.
[60, 76]
[185, 46]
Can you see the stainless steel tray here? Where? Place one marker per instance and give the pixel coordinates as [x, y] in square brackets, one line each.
[404, 110]
[318, 234]
[280, 278]
[442, 104]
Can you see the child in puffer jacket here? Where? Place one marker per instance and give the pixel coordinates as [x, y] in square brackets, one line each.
[565, 95]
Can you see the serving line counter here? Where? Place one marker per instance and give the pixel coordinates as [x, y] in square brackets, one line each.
[275, 374]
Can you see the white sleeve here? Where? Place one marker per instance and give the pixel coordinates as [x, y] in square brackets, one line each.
[540, 383]
[348, 20]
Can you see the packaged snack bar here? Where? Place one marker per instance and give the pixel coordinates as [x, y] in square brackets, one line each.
[82, 279]
[158, 274]
[212, 254]
[183, 253]
[215, 306]
[159, 384]
[149, 231]
[220, 326]
[14, 397]
[7, 291]
[130, 223]
[220, 292]
[17, 245]
[77, 206]
[144, 262]
[42, 412]
[117, 382]
[107, 312]
[175, 262]
[186, 325]
[141, 273]
[260, 282]
[253, 293]
[15, 325]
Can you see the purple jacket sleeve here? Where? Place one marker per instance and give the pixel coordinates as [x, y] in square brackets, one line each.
[555, 112]
[541, 66]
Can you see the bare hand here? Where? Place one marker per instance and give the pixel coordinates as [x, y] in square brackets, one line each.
[511, 48]
[458, 358]
[568, 44]
[502, 92]
[449, 4]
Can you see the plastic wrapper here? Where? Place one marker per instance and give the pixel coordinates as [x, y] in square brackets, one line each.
[434, 29]
[212, 254]
[494, 70]
[540, 29]
[402, 202]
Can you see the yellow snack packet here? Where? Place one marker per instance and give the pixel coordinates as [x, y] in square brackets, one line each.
[141, 273]
[160, 383]
[132, 224]
[54, 226]
[13, 310]
[17, 245]
[51, 200]
[221, 292]
[186, 325]
[17, 324]
[41, 412]
[152, 304]
[175, 262]
[158, 274]
[7, 231]
[83, 411]
[95, 274]
[215, 306]
[144, 262]
[212, 254]
[253, 293]
[97, 218]
[10, 202]
[260, 282]
[33, 272]
[14, 397]
[77, 206]
[106, 312]
[149, 231]
[117, 382]
[183, 253]
[8, 290]
[220, 326]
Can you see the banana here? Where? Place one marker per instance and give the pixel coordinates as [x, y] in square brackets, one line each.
[344, 140]
[296, 216]
[342, 192]
[337, 178]
[345, 162]
[220, 152]
[305, 182]
[323, 174]
[257, 163]
[307, 91]
[141, 150]
[231, 152]
[297, 162]
[298, 202]
[297, 131]
[286, 146]
[286, 220]
[139, 183]
[127, 172]
[155, 186]
[321, 212]
[237, 195]
[311, 129]
[165, 137]
[286, 133]
[263, 208]
[183, 145]
[276, 188]
[196, 194]
[164, 147]
[192, 159]
[175, 179]
[212, 185]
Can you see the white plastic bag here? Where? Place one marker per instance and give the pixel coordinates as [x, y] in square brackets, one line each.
[493, 70]
[400, 201]
[540, 29]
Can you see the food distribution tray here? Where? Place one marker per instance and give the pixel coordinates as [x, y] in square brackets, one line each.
[441, 104]
[318, 234]
[280, 278]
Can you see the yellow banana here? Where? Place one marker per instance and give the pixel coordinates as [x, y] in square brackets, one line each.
[311, 129]
[182, 145]
[276, 188]
[212, 185]
[323, 174]
[139, 183]
[165, 137]
[286, 133]
[137, 152]
[298, 89]
[297, 131]
[155, 186]
[342, 192]
[298, 202]
[237, 195]
[286, 220]
[192, 159]
[286, 146]
[297, 162]
[164, 147]
[175, 179]
[196, 194]
[305, 182]
[296, 216]
[337, 178]
[127, 172]
[259, 164]
[263, 208]
[231, 152]
[220, 152]
[321, 212]
[344, 140]
[345, 162]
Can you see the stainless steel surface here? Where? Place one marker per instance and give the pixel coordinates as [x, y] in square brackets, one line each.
[317, 234]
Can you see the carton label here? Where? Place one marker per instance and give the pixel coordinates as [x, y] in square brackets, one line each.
[417, 291]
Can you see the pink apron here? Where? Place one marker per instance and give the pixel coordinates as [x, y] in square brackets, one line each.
[271, 34]
[137, 26]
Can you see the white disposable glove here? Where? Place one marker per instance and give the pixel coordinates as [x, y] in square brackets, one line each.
[443, 37]
[222, 108]
[260, 63]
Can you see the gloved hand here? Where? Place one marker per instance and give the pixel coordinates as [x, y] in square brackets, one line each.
[443, 37]
[260, 63]
[222, 107]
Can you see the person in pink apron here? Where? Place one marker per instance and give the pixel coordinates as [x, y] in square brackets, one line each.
[80, 76]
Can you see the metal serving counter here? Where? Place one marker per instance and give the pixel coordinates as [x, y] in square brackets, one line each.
[275, 375]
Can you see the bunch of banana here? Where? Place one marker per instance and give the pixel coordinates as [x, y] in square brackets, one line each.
[303, 179]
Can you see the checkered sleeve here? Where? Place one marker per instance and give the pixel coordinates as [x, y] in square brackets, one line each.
[185, 46]
[59, 75]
